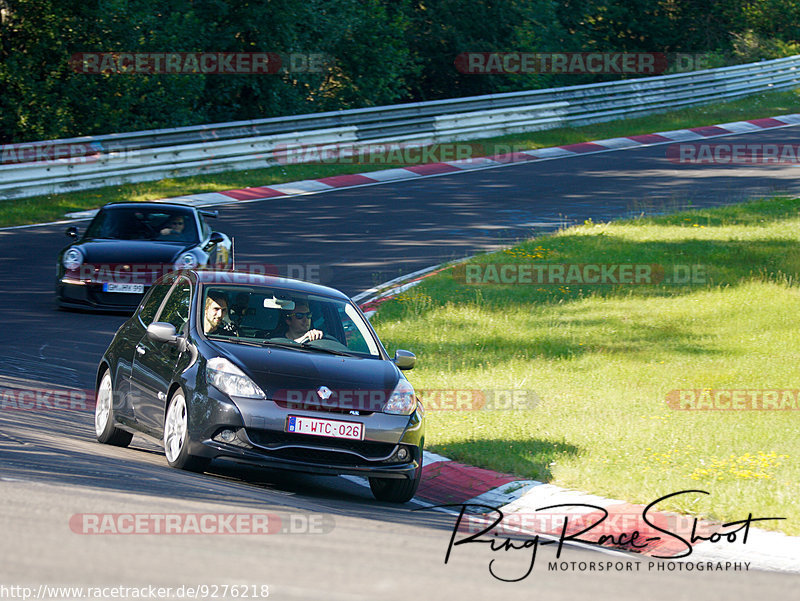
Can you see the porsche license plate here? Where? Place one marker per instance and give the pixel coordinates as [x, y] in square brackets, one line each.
[325, 427]
[124, 288]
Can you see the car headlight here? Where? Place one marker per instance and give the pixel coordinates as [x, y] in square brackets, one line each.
[228, 378]
[402, 401]
[72, 259]
[186, 261]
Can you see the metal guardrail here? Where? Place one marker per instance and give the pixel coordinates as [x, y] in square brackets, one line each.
[150, 155]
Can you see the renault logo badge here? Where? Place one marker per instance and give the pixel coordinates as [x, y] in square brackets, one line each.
[324, 392]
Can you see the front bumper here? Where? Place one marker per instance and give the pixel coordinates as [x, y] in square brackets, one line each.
[83, 295]
[261, 439]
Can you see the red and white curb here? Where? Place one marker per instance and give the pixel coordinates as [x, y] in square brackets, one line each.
[337, 182]
[525, 503]
[665, 535]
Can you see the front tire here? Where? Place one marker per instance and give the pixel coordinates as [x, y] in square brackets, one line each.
[176, 437]
[393, 490]
[104, 427]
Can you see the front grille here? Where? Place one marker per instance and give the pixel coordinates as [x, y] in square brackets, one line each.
[289, 445]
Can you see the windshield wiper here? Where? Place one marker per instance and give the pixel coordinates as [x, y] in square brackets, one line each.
[326, 350]
[291, 344]
[305, 346]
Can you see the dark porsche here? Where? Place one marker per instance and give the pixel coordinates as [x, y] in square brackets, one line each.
[128, 246]
[262, 370]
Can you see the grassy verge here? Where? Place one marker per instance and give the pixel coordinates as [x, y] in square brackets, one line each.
[603, 360]
[53, 207]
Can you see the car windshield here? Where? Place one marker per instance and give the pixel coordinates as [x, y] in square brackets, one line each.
[133, 223]
[279, 317]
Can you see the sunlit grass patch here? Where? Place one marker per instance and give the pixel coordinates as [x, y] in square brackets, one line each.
[602, 361]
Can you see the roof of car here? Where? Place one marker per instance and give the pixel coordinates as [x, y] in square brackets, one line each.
[148, 205]
[241, 278]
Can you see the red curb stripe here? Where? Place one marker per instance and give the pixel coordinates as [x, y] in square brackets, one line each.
[342, 181]
[649, 139]
[252, 193]
[766, 122]
[710, 130]
[432, 168]
[584, 147]
[512, 157]
[374, 304]
[451, 482]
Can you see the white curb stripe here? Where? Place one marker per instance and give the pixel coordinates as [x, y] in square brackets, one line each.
[301, 187]
[681, 135]
[792, 119]
[473, 163]
[429, 458]
[390, 175]
[549, 494]
[618, 143]
[773, 551]
[741, 127]
[201, 200]
[547, 153]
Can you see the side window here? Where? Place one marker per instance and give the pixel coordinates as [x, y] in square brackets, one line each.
[354, 340]
[205, 229]
[147, 310]
[176, 309]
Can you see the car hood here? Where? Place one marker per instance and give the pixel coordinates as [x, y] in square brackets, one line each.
[294, 378]
[127, 251]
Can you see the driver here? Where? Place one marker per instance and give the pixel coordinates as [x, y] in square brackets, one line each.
[174, 229]
[297, 323]
[214, 321]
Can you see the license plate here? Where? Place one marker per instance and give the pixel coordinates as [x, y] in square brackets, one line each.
[125, 288]
[325, 427]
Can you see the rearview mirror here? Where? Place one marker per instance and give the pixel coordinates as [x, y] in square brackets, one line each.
[279, 303]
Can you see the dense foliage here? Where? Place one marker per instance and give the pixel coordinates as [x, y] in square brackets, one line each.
[379, 51]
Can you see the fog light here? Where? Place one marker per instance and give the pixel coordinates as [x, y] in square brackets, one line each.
[227, 436]
[402, 454]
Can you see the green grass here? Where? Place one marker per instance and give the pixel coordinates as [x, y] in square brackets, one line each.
[53, 207]
[602, 360]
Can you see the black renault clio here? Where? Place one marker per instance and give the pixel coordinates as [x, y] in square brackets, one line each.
[263, 370]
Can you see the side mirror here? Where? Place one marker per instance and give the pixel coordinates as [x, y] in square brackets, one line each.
[72, 232]
[213, 240]
[160, 331]
[404, 359]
